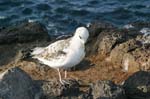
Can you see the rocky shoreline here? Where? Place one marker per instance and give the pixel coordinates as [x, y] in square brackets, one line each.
[116, 66]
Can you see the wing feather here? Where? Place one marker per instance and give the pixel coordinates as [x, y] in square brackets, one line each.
[55, 51]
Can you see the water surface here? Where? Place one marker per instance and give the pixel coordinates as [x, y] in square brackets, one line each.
[63, 16]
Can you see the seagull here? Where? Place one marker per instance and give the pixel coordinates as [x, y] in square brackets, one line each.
[63, 54]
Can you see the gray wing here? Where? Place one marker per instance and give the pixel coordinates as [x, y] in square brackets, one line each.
[55, 51]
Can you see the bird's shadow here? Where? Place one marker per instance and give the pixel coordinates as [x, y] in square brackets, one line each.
[84, 65]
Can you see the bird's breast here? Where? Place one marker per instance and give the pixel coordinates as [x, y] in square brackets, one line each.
[75, 57]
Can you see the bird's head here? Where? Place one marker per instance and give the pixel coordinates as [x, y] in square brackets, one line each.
[82, 33]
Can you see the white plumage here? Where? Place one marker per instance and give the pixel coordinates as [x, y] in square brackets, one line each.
[63, 53]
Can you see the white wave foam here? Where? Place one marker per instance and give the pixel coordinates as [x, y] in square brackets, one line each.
[146, 35]
[145, 31]
[31, 20]
[3, 17]
[128, 26]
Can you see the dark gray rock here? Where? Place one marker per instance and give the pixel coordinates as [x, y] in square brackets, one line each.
[25, 32]
[128, 49]
[137, 86]
[95, 30]
[107, 40]
[104, 37]
[16, 84]
[86, 94]
[14, 39]
[97, 27]
[53, 89]
[123, 55]
[107, 90]
[133, 54]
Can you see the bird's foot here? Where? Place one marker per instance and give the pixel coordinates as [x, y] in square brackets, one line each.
[61, 82]
[64, 82]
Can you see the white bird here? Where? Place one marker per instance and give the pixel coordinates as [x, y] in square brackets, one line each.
[63, 53]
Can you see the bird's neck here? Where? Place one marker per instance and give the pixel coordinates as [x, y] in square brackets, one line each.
[77, 39]
[77, 43]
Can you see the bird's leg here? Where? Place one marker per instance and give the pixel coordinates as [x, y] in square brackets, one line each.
[60, 79]
[60, 76]
[65, 78]
[65, 74]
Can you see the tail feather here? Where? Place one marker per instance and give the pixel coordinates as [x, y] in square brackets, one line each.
[25, 54]
[37, 50]
[31, 53]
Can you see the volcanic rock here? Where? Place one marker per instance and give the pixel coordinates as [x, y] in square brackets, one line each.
[54, 89]
[16, 84]
[107, 90]
[137, 86]
[23, 33]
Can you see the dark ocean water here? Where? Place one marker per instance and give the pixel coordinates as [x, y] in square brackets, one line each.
[63, 16]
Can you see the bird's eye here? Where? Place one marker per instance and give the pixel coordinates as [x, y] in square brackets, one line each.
[80, 37]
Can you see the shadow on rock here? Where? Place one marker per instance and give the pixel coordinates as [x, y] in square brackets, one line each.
[84, 65]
